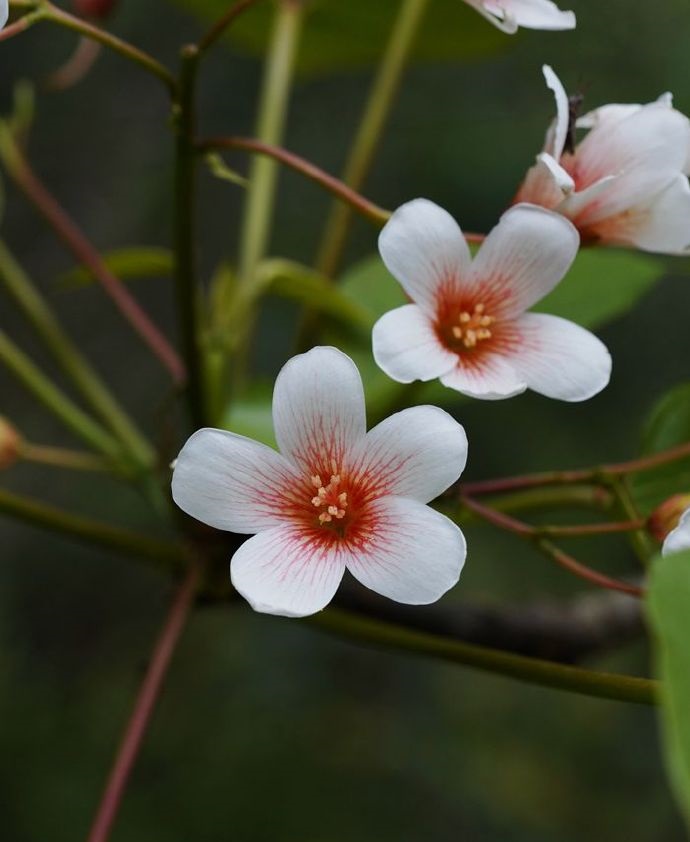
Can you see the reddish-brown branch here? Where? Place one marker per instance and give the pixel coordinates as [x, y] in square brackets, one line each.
[143, 708]
[221, 25]
[646, 463]
[582, 529]
[72, 236]
[574, 566]
[518, 527]
[379, 216]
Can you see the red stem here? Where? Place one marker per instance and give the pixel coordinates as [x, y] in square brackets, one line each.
[379, 216]
[17, 27]
[566, 561]
[143, 708]
[646, 463]
[593, 528]
[218, 29]
[88, 256]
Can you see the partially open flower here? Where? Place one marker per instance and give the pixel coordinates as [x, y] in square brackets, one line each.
[508, 15]
[334, 498]
[10, 444]
[625, 183]
[468, 323]
[679, 538]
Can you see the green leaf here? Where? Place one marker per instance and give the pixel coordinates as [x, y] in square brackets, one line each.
[372, 286]
[602, 285]
[126, 264]
[292, 280]
[668, 609]
[251, 414]
[342, 34]
[668, 426]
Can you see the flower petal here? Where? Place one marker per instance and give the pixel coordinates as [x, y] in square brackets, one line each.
[416, 453]
[661, 224]
[556, 136]
[423, 247]
[653, 140]
[560, 359]
[523, 258]
[414, 555]
[318, 407]
[231, 482]
[546, 183]
[507, 15]
[490, 377]
[406, 346]
[678, 539]
[281, 571]
[4, 12]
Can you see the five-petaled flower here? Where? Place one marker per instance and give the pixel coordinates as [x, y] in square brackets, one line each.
[335, 497]
[467, 324]
[508, 15]
[625, 183]
[678, 539]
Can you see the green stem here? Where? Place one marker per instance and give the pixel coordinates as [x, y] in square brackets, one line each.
[604, 685]
[166, 554]
[187, 291]
[270, 126]
[57, 402]
[70, 359]
[371, 126]
[640, 540]
[59, 457]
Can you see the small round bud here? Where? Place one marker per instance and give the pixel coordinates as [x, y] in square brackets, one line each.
[93, 9]
[666, 516]
[10, 444]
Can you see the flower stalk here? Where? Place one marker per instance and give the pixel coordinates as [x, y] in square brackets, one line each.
[368, 135]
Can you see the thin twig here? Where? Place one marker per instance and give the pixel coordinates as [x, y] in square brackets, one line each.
[75, 240]
[143, 708]
[221, 25]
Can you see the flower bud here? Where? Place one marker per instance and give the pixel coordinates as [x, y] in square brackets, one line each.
[10, 443]
[666, 516]
[93, 9]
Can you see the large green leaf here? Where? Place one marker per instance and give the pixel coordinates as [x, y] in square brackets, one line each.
[292, 280]
[350, 33]
[126, 264]
[602, 285]
[668, 426]
[668, 609]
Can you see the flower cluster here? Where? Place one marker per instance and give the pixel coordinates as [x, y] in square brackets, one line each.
[335, 497]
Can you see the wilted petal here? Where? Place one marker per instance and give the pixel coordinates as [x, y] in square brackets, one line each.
[556, 136]
[678, 539]
[423, 247]
[231, 482]
[546, 183]
[412, 555]
[318, 407]
[489, 377]
[523, 258]
[405, 345]
[416, 453]
[560, 359]
[285, 571]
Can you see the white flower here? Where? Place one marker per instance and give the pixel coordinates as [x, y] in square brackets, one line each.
[4, 12]
[467, 324]
[508, 15]
[625, 183]
[335, 497]
[679, 538]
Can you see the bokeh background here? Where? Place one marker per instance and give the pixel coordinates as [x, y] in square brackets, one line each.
[268, 731]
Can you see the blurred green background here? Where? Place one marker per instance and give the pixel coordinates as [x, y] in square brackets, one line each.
[267, 730]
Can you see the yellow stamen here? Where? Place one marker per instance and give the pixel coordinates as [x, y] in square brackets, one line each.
[474, 326]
